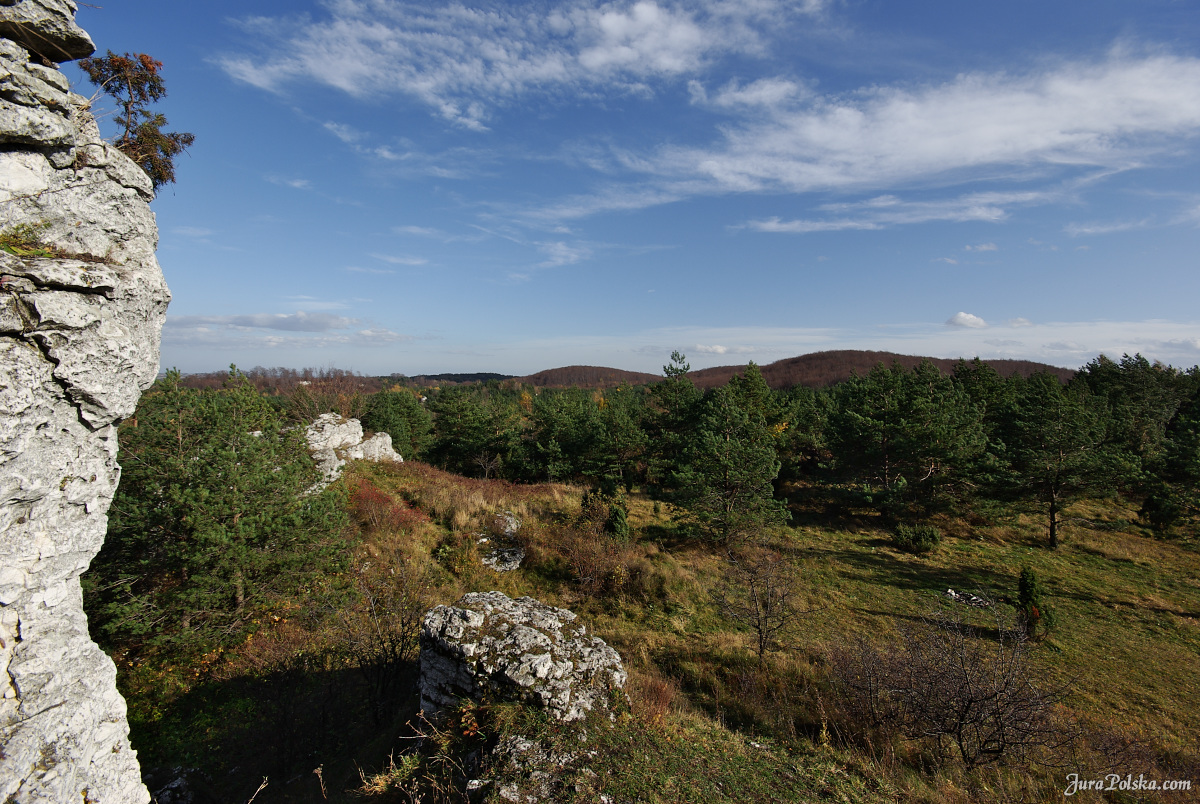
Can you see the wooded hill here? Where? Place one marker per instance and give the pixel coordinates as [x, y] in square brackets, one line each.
[815, 370]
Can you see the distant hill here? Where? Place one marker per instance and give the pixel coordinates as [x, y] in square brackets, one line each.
[478, 376]
[587, 377]
[821, 369]
[816, 370]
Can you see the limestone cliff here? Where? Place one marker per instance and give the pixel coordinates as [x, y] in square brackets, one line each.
[79, 341]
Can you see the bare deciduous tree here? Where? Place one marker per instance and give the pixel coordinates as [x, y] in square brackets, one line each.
[949, 685]
[760, 592]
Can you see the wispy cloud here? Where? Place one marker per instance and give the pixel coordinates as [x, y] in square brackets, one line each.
[197, 232]
[295, 184]
[355, 269]
[1077, 229]
[1107, 113]
[257, 330]
[885, 211]
[400, 260]
[462, 62]
[295, 322]
[419, 231]
[981, 247]
[560, 253]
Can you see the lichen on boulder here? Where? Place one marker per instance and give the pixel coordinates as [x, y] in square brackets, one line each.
[490, 644]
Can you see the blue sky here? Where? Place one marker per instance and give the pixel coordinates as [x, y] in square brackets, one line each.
[393, 187]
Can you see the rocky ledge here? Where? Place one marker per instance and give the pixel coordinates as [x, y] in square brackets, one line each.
[520, 649]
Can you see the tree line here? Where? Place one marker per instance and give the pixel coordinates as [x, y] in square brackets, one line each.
[212, 518]
[907, 443]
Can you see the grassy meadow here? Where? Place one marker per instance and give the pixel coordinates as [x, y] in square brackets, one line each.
[320, 699]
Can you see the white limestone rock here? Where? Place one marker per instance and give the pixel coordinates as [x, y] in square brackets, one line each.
[334, 440]
[520, 649]
[331, 431]
[46, 28]
[376, 448]
[79, 341]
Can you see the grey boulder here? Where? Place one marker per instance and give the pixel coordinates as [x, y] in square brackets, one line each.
[517, 649]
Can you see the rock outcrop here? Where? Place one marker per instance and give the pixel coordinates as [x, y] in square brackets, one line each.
[505, 555]
[522, 649]
[79, 340]
[335, 440]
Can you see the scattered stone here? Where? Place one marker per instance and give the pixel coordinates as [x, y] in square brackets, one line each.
[520, 649]
[968, 599]
[504, 559]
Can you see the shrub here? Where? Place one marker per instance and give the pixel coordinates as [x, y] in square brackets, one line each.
[954, 690]
[916, 538]
[1035, 618]
[759, 592]
[134, 81]
[376, 511]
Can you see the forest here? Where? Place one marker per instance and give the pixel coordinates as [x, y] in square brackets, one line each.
[772, 564]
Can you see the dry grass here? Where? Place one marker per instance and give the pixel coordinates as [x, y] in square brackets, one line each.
[460, 503]
[1125, 603]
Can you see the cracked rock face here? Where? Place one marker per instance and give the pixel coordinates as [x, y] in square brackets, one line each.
[79, 340]
[335, 440]
[523, 649]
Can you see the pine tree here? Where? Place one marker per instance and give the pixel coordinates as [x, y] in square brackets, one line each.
[211, 520]
[1056, 447]
[400, 415]
[135, 81]
[725, 481]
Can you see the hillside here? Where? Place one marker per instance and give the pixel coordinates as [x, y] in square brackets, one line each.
[820, 369]
[815, 370]
[587, 377]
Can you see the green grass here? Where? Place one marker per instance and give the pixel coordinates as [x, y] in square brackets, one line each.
[709, 722]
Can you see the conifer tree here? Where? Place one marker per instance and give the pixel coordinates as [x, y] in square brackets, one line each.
[135, 81]
[725, 480]
[211, 520]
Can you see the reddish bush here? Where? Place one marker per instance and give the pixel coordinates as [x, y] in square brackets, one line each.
[376, 511]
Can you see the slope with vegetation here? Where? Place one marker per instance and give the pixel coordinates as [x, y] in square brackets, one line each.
[772, 566]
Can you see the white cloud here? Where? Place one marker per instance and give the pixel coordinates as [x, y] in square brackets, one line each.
[948, 260]
[890, 210]
[462, 61]
[1109, 113]
[966, 320]
[717, 349]
[1019, 322]
[981, 247]
[296, 322]
[305, 331]
[295, 184]
[421, 231]
[345, 133]
[559, 253]
[314, 303]
[767, 93]
[354, 269]
[1076, 229]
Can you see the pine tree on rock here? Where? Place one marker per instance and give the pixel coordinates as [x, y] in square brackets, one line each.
[135, 81]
